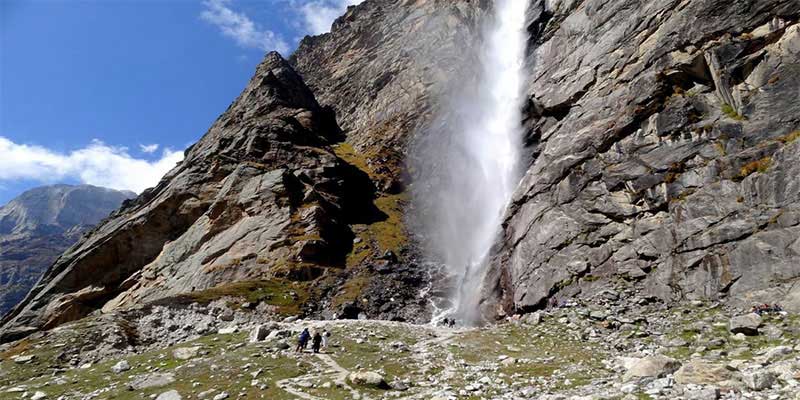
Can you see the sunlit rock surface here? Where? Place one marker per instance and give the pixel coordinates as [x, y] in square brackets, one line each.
[665, 155]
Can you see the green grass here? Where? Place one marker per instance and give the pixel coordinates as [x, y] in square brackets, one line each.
[285, 295]
[728, 110]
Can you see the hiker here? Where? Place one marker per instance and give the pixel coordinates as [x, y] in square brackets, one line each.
[303, 340]
[316, 342]
[325, 335]
[452, 322]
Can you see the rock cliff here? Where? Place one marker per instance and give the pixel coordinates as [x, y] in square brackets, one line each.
[38, 225]
[663, 136]
[261, 195]
[662, 146]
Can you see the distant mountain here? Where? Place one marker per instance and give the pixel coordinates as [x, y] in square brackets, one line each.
[37, 226]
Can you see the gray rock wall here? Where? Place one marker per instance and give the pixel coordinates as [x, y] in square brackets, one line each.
[663, 138]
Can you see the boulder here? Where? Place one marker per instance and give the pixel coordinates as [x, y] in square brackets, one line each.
[185, 353]
[171, 395]
[259, 333]
[700, 372]
[23, 359]
[759, 380]
[534, 318]
[154, 380]
[707, 393]
[228, 330]
[747, 324]
[653, 366]
[368, 379]
[121, 367]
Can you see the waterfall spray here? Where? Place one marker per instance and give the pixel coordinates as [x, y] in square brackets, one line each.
[470, 159]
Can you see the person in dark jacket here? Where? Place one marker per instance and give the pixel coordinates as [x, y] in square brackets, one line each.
[316, 342]
[302, 342]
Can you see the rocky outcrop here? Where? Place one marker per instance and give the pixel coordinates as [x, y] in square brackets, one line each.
[383, 69]
[37, 226]
[260, 195]
[662, 140]
[665, 155]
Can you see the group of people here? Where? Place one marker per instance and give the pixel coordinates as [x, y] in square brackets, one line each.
[767, 309]
[449, 322]
[318, 340]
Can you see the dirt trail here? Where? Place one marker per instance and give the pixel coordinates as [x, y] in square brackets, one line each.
[338, 374]
[423, 351]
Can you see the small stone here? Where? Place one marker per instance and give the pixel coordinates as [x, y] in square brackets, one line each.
[759, 380]
[38, 396]
[221, 396]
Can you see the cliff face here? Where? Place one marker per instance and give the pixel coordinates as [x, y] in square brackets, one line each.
[665, 155]
[662, 146]
[260, 195]
[37, 226]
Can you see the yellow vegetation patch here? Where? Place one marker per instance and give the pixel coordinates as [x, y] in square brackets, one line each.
[17, 349]
[761, 166]
[789, 138]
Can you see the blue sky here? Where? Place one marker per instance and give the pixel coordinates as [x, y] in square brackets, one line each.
[109, 92]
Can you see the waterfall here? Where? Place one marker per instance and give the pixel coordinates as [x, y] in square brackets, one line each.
[470, 158]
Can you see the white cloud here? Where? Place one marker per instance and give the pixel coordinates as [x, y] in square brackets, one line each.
[241, 28]
[96, 164]
[320, 14]
[149, 148]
